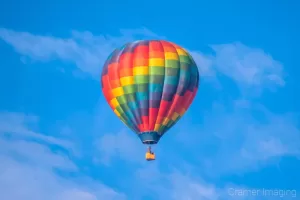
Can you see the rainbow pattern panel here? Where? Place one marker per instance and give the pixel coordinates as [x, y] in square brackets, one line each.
[150, 84]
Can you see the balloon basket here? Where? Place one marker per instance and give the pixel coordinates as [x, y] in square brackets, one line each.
[150, 156]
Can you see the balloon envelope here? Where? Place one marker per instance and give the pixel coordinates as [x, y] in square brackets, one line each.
[150, 84]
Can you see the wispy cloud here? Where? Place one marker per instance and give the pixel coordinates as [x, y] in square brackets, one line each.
[233, 138]
[247, 66]
[174, 184]
[242, 138]
[205, 63]
[87, 51]
[19, 124]
[185, 187]
[35, 154]
[22, 181]
[27, 170]
[122, 145]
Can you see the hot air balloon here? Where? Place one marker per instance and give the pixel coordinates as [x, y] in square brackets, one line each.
[150, 84]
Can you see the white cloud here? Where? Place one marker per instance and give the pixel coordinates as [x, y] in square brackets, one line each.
[19, 124]
[205, 63]
[27, 171]
[165, 180]
[185, 187]
[244, 137]
[241, 141]
[174, 184]
[247, 66]
[84, 49]
[125, 146]
[35, 154]
[150, 181]
[20, 181]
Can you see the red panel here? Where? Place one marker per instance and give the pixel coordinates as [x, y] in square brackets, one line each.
[126, 60]
[115, 83]
[140, 61]
[156, 54]
[105, 80]
[179, 103]
[126, 72]
[112, 66]
[175, 103]
[108, 94]
[187, 96]
[141, 51]
[192, 97]
[166, 44]
[106, 88]
[153, 112]
[168, 47]
[163, 109]
[113, 71]
[141, 127]
[145, 120]
[164, 106]
[155, 46]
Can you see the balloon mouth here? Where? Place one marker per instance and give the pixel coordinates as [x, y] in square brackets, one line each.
[149, 137]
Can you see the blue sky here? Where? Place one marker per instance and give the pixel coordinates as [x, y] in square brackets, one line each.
[59, 140]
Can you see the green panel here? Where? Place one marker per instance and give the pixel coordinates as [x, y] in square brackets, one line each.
[121, 99]
[126, 109]
[185, 59]
[140, 79]
[119, 109]
[130, 97]
[156, 70]
[170, 123]
[128, 89]
[157, 79]
[172, 63]
[172, 71]
[161, 128]
[142, 87]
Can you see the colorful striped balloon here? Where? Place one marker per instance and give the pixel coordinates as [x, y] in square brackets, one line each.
[150, 84]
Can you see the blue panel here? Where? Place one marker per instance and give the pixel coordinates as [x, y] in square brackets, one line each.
[151, 137]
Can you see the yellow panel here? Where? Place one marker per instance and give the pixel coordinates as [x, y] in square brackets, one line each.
[171, 56]
[118, 91]
[114, 102]
[157, 126]
[166, 121]
[181, 52]
[127, 80]
[159, 62]
[117, 113]
[174, 116]
[141, 70]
